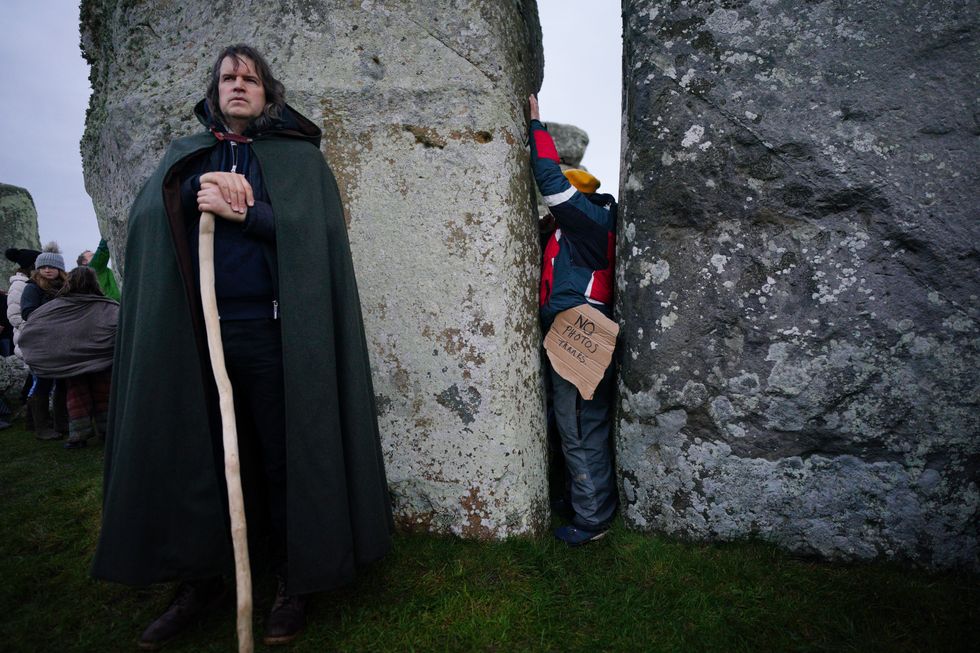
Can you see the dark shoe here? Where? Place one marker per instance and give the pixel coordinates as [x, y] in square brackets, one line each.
[575, 536]
[192, 601]
[76, 444]
[287, 618]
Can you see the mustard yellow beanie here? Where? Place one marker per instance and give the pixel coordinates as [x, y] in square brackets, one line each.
[582, 180]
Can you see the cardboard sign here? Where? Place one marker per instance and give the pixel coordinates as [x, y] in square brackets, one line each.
[580, 346]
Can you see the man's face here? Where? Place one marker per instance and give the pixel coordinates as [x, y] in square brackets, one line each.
[241, 95]
[87, 257]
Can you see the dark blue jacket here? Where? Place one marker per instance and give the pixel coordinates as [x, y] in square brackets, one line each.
[35, 297]
[579, 256]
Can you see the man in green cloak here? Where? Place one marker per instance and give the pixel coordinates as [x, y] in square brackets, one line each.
[295, 351]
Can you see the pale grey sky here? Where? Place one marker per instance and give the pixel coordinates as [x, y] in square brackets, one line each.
[45, 82]
[583, 48]
[42, 116]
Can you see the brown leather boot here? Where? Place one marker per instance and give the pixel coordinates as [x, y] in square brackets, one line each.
[59, 408]
[192, 601]
[287, 619]
[42, 418]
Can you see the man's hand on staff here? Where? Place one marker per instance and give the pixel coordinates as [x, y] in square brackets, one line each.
[533, 101]
[226, 194]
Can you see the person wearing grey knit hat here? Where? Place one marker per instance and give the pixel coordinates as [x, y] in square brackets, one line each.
[48, 278]
[50, 260]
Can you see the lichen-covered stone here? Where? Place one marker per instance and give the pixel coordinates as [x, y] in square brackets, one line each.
[797, 277]
[422, 107]
[18, 219]
[13, 373]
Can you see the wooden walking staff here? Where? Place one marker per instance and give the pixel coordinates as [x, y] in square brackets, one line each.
[229, 435]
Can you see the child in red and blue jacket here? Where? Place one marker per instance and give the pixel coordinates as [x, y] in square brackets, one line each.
[579, 255]
[578, 269]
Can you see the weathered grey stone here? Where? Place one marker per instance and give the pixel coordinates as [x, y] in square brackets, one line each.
[571, 142]
[18, 219]
[798, 275]
[422, 105]
[13, 373]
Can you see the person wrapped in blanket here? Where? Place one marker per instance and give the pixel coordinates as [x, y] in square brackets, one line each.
[71, 338]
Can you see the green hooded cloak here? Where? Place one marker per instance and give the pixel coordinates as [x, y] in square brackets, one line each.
[164, 508]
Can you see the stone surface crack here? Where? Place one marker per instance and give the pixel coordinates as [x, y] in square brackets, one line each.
[450, 48]
[738, 123]
[149, 28]
[720, 111]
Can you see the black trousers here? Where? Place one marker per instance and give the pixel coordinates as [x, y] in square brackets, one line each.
[253, 357]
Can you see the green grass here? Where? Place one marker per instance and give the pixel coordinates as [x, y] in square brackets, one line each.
[628, 592]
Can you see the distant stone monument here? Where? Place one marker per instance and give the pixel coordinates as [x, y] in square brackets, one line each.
[798, 276]
[18, 228]
[571, 142]
[422, 108]
[18, 219]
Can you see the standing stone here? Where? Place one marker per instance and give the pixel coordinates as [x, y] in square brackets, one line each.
[798, 275]
[422, 107]
[18, 219]
[18, 228]
[570, 141]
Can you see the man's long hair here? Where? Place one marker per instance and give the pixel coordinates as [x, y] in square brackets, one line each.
[275, 92]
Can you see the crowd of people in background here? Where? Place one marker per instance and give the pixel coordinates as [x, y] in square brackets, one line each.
[61, 323]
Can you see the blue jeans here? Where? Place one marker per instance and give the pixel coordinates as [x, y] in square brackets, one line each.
[584, 429]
